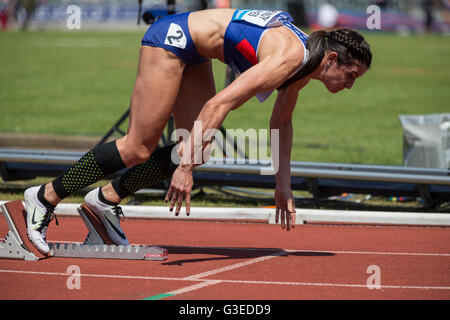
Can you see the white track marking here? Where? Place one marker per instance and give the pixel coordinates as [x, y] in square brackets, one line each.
[235, 266]
[330, 284]
[208, 282]
[113, 276]
[215, 281]
[205, 283]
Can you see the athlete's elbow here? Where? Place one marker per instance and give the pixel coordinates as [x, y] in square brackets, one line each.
[280, 117]
[276, 79]
[278, 121]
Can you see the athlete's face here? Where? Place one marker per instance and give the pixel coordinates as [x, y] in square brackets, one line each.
[337, 77]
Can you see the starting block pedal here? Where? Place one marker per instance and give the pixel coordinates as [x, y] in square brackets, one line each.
[97, 244]
[16, 244]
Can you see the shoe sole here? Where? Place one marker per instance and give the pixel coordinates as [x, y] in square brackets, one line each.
[100, 225]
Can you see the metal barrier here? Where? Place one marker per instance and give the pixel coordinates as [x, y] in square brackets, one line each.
[320, 179]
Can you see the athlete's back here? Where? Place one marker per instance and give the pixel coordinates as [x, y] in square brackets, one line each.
[207, 29]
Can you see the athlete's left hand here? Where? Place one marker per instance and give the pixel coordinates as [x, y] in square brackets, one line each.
[285, 208]
[180, 189]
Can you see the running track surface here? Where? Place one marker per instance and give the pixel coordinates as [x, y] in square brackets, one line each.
[244, 261]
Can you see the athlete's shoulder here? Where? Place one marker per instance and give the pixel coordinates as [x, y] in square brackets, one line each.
[282, 42]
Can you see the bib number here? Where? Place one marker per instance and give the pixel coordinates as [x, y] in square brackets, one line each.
[175, 36]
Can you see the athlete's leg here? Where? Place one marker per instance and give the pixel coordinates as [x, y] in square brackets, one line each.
[154, 95]
[196, 88]
[156, 88]
[152, 102]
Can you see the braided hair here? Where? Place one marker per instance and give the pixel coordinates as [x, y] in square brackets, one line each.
[347, 43]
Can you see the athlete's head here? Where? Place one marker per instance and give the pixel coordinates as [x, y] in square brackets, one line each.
[342, 56]
[336, 58]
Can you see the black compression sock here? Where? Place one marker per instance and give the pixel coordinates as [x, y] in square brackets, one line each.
[41, 198]
[95, 165]
[155, 170]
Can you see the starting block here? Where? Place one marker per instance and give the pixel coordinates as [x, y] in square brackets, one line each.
[97, 244]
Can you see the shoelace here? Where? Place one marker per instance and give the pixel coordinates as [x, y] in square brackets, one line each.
[119, 213]
[48, 217]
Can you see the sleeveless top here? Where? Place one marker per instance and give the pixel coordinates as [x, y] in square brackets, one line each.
[244, 33]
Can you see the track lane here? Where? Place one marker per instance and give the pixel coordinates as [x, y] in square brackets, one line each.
[312, 262]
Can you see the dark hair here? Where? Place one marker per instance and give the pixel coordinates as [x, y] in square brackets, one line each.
[347, 43]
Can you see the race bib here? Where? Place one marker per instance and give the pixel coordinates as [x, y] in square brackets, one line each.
[175, 36]
[262, 18]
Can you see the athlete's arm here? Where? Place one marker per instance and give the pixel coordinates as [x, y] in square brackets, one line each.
[281, 120]
[267, 75]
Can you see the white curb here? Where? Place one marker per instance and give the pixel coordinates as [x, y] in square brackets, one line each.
[267, 215]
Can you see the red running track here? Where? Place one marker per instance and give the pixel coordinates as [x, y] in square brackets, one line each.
[236, 261]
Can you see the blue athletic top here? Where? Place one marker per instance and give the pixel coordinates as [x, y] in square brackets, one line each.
[241, 39]
[244, 33]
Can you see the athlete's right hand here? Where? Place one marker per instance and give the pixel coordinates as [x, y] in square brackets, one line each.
[180, 189]
[285, 208]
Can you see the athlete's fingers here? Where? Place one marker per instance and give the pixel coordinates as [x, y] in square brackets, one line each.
[291, 210]
[277, 215]
[283, 217]
[288, 221]
[188, 203]
[179, 203]
[172, 202]
[169, 194]
[293, 219]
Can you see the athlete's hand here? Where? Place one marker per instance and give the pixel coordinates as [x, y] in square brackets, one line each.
[285, 208]
[180, 189]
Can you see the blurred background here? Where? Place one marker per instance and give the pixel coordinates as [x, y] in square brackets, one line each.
[401, 16]
[64, 74]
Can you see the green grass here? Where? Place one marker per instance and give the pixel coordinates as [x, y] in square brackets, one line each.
[79, 83]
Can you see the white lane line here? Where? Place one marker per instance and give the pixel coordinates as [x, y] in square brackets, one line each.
[205, 283]
[331, 284]
[235, 266]
[113, 276]
[208, 282]
[198, 276]
[426, 254]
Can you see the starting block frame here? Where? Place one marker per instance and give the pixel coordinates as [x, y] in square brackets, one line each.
[97, 245]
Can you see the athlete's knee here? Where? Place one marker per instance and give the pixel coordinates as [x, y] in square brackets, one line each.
[138, 154]
[134, 153]
[161, 165]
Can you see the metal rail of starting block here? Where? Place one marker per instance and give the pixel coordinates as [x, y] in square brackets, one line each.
[97, 245]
